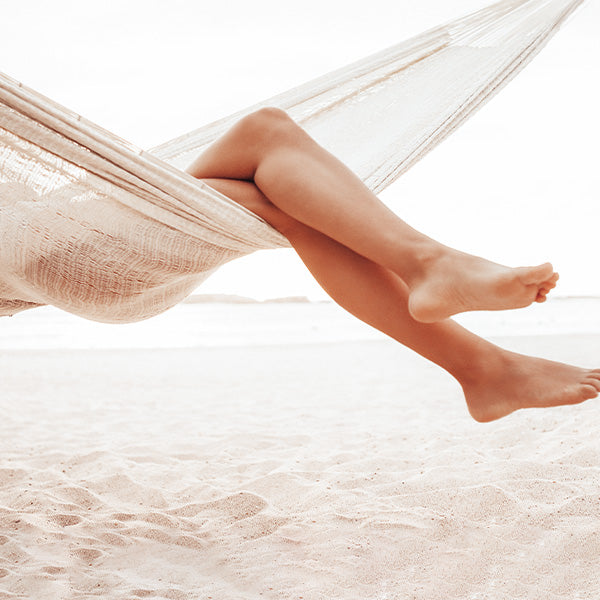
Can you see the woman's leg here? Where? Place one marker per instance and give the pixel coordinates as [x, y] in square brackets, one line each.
[495, 382]
[309, 184]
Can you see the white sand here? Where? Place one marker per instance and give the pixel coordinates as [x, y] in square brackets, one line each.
[304, 472]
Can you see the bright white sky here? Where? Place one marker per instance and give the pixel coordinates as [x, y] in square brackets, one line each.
[519, 183]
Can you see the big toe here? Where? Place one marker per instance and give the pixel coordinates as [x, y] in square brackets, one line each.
[536, 275]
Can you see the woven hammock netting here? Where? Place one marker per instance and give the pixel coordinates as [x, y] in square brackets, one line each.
[97, 227]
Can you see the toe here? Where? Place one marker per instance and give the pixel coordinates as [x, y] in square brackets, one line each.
[536, 275]
[595, 383]
[588, 391]
[551, 281]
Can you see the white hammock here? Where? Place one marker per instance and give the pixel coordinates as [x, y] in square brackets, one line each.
[99, 228]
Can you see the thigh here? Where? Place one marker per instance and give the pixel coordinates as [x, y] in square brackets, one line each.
[250, 197]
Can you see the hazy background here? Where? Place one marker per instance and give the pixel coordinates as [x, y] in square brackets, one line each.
[519, 183]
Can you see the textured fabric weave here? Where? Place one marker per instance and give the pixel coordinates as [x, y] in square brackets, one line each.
[104, 230]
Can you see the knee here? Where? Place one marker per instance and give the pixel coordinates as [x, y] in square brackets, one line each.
[269, 116]
[270, 124]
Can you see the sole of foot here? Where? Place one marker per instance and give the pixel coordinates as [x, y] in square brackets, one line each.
[459, 282]
[517, 381]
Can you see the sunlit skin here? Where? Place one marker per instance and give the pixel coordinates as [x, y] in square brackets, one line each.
[386, 273]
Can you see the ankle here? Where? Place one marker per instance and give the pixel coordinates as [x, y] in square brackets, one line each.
[483, 365]
[424, 256]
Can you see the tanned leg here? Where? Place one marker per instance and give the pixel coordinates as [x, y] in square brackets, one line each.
[309, 184]
[495, 382]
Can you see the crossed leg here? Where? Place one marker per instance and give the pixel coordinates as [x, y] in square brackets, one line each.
[310, 185]
[386, 273]
[495, 382]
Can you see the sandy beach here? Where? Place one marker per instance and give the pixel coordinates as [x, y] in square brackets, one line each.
[310, 471]
[234, 449]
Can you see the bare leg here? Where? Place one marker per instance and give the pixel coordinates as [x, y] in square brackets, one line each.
[309, 184]
[495, 382]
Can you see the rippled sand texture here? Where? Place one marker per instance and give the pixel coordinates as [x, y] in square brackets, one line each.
[317, 472]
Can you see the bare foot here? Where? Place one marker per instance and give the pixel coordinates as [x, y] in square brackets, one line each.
[455, 282]
[515, 381]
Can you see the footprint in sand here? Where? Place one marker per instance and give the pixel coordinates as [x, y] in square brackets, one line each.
[88, 554]
[187, 541]
[159, 519]
[123, 516]
[65, 520]
[81, 497]
[113, 539]
[237, 506]
[149, 533]
[258, 526]
[53, 570]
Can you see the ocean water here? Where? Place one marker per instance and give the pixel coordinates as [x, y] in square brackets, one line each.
[257, 324]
